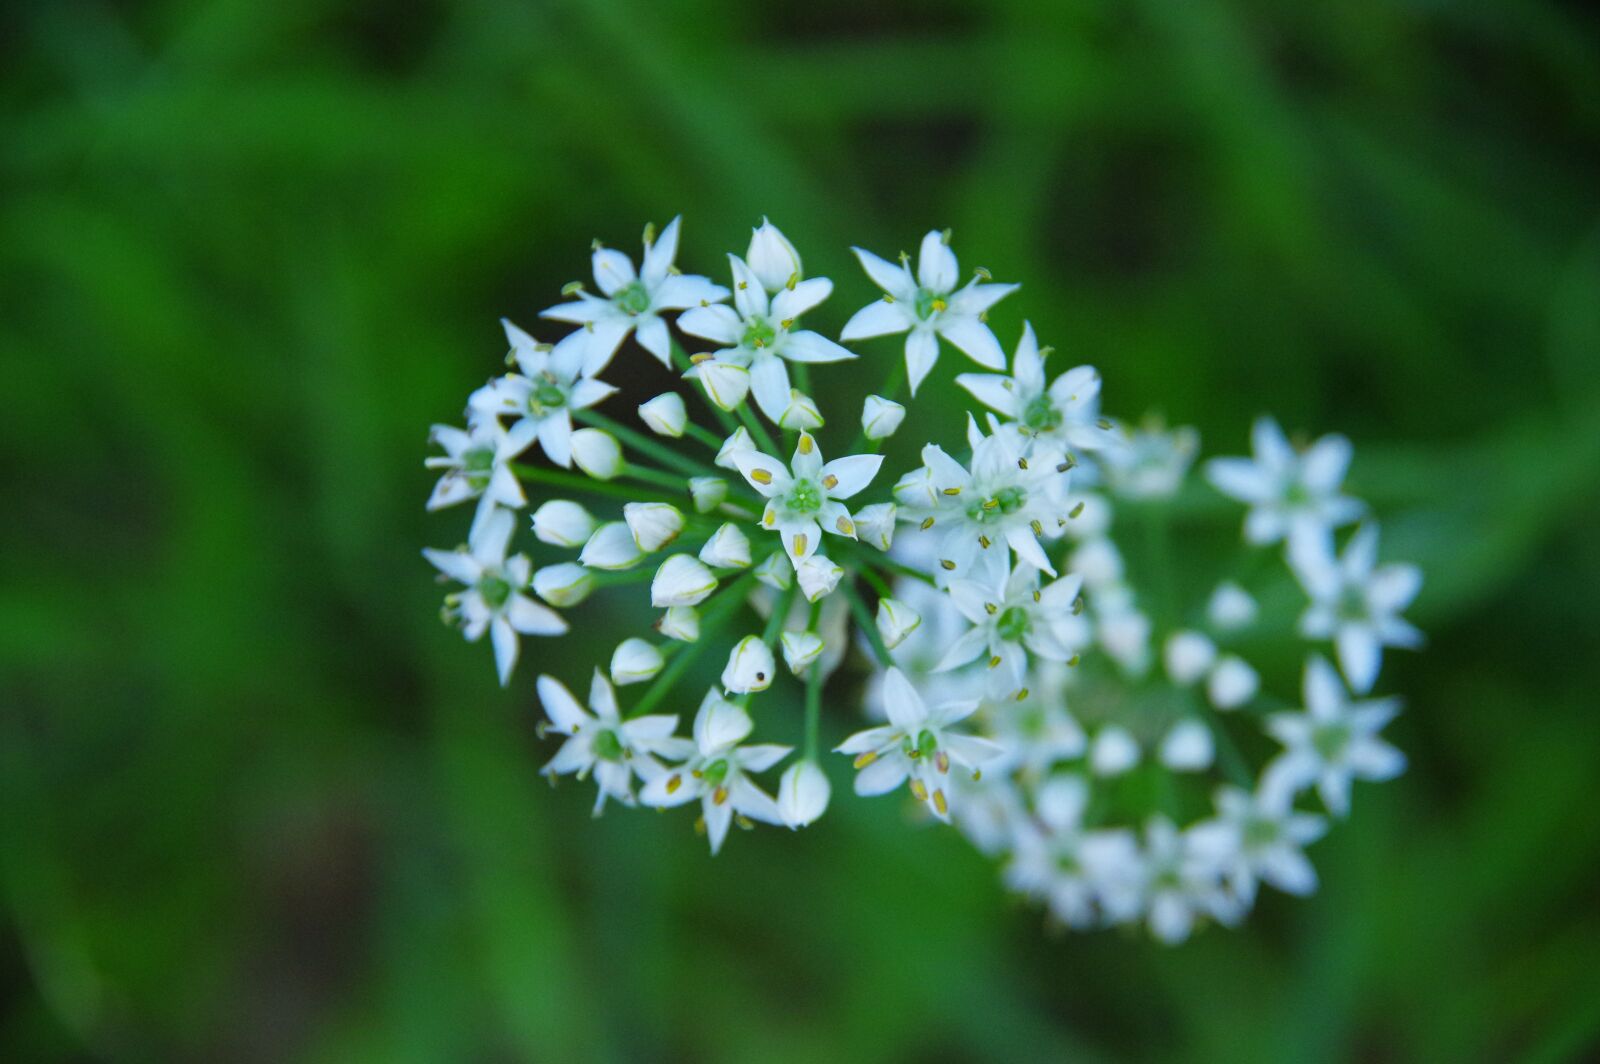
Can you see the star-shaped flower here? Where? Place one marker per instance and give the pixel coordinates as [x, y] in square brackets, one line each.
[929, 306]
[475, 467]
[494, 600]
[543, 396]
[718, 771]
[1333, 742]
[1289, 494]
[803, 500]
[761, 332]
[1058, 417]
[1259, 837]
[633, 302]
[615, 750]
[1012, 621]
[1356, 602]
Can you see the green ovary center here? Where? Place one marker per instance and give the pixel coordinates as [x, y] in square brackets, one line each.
[1002, 503]
[804, 497]
[1013, 624]
[716, 772]
[607, 746]
[758, 334]
[1040, 414]
[1330, 740]
[929, 303]
[495, 591]
[1259, 833]
[478, 465]
[544, 398]
[632, 298]
[1352, 604]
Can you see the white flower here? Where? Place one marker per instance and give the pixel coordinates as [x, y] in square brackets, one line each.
[1232, 683]
[665, 414]
[1231, 607]
[803, 499]
[611, 547]
[1003, 501]
[563, 523]
[1123, 632]
[1333, 742]
[803, 792]
[1259, 836]
[917, 743]
[1098, 561]
[1187, 747]
[759, 333]
[708, 493]
[682, 580]
[801, 415]
[494, 599]
[718, 772]
[880, 417]
[1114, 752]
[1188, 656]
[818, 576]
[929, 306]
[875, 524]
[728, 548]
[565, 584]
[1059, 417]
[681, 623]
[1151, 463]
[632, 302]
[1289, 494]
[615, 750]
[543, 396]
[475, 467]
[725, 383]
[801, 649]
[1355, 602]
[1012, 621]
[597, 453]
[1056, 860]
[772, 258]
[1181, 884]
[653, 524]
[895, 621]
[750, 667]
[775, 571]
[635, 661]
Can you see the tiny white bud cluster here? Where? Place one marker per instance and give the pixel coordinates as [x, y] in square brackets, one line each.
[1031, 676]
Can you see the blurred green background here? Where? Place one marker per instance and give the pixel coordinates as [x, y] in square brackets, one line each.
[259, 806]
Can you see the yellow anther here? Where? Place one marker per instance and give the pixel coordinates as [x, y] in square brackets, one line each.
[830, 482]
[863, 760]
[761, 476]
[991, 504]
[1103, 423]
[977, 774]
[794, 279]
[984, 541]
[1022, 695]
[994, 662]
[572, 288]
[787, 323]
[919, 789]
[1073, 661]
[927, 523]
[844, 526]
[939, 803]
[947, 564]
[697, 774]
[990, 608]
[800, 543]
[1038, 529]
[1022, 463]
[952, 491]
[1077, 605]
[941, 761]
[674, 783]
[769, 519]
[939, 304]
[1076, 510]
[743, 285]
[649, 233]
[719, 795]
[807, 444]
[697, 359]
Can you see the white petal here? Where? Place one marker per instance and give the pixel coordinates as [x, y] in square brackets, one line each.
[851, 473]
[681, 291]
[530, 618]
[901, 703]
[563, 710]
[612, 270]
[807, 346]
[974, 338]
[880, 318]
[998, 393]
[653, 337]
[922, 351]
[717, 322]
[805, 295]
[892, 278]
[658, 255]
[880, 777]
[936, 264]
[769, 381]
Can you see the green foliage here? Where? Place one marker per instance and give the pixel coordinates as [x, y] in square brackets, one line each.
[255, 804]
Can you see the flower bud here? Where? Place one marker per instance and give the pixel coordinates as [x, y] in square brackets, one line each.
[775, 571]
[1231, 607]
[803, 793]
[880, 417]
[750, 667]
[681, 623]
[875, 524]
[800, 649]
[597, 453]
[665, 414]
[771, 257]
[566, 584]
[611, 547]
[725, 384]
[1187, 747]
[682, 580]
[801, 414]
[708, 493]
[563, 523]
[1114, 752]
[818, 576]
[1099, 561]
[653, 524]
[1232, 683]
[728, 548]
[736, 444]
[634, 661]
[896, 620]
[1188, 656]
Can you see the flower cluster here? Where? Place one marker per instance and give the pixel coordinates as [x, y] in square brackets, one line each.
[1031, 675]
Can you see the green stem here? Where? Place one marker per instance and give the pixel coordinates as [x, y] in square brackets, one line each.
[869, 628]
[878, 583]
[660, 478]
[769, 635]
[883, 563]
[573, 482]
[758, 432]
[704, 435]
[644, 444]
[727, 601]
[813, 690]
[891, 388]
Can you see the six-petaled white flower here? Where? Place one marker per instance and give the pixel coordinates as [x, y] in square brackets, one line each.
[803, 500]
[1333, 742]
[1355, 601]
[1059, 416]
[543, 396]
[602, 743]
[1289, 493]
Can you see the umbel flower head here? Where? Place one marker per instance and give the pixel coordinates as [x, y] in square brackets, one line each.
[1025, 672]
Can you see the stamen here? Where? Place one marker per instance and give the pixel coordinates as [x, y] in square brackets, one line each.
[1022, 463]
[830, 482]
[761, 476]
[941, 761]
[1037, 596]
[1022, 695]
[800, 543]
[863, 760]
[990, 608]
[719, 796]
[991, 504]
[994, 662]
[949, 566]
[952, 491]
[983, 541]
[927, 523]
[919, 789]
[1038, 529]
[844, 525]
[702, 357]
[674, 783]
[1077, 605]
[939, 803]
[807, 444]
[1076, 510]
